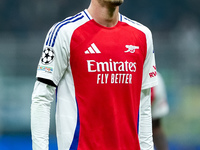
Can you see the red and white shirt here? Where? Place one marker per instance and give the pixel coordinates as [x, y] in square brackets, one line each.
[99, 73]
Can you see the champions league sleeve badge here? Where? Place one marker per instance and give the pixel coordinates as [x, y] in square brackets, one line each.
[47, 56]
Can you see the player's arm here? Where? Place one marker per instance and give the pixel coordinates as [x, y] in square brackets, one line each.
[49, 73]
[149, 80]
[40, 114]
[159, 138]
[145, 121]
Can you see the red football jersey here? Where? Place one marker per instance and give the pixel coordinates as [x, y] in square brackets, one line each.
[99, 72]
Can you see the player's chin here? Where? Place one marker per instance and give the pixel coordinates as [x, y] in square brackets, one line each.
[116, 2]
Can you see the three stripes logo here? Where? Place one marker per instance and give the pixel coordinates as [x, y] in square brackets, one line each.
[92, 49]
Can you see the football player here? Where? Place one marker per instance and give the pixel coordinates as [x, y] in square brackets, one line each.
[101, 65]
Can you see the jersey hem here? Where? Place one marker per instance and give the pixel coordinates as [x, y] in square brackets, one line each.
[45, 76]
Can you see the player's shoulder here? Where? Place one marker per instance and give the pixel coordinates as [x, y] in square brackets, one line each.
[66, 27]
[136, 24]
[71, 22]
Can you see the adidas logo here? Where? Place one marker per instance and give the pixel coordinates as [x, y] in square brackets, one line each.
[92, 49]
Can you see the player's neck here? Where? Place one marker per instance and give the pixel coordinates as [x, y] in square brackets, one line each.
[104, 15]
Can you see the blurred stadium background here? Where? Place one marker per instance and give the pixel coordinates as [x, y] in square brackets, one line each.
[175, 25]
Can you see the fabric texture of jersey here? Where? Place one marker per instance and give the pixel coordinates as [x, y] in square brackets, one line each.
[160, 106]
[99, 73]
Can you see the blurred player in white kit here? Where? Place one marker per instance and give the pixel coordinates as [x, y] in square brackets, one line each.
[160, 108]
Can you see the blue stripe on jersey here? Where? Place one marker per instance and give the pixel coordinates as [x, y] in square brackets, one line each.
[87, 15]
[48, 37]
[120, 17]
[132, 21]
[138, 121]
[54, 39]
[74, 145]
[57, 27]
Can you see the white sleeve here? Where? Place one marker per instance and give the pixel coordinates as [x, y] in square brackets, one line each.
[145, 121]
[40, 115]
[149, 68]
[55, 55]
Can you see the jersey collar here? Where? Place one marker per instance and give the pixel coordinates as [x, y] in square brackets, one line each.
[90, 17]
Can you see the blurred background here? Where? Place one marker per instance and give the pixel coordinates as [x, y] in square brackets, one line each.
[175, 25]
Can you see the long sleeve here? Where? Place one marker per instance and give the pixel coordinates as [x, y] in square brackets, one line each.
[42, 97]
[145, 121]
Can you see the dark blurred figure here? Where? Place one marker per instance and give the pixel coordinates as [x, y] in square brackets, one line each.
[160, 109]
